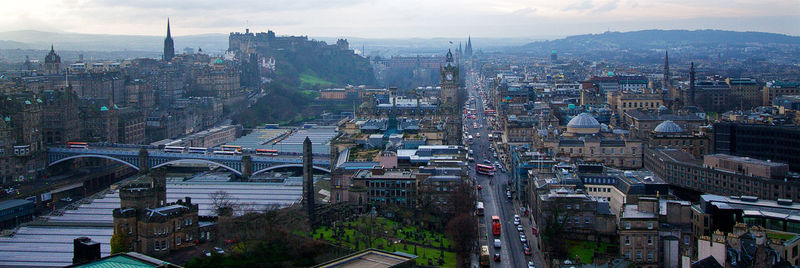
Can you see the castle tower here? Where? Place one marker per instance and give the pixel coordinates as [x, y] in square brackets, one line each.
[52, 62]
[308, 180]
[169, 46]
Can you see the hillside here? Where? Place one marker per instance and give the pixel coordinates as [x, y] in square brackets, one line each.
[659, 40]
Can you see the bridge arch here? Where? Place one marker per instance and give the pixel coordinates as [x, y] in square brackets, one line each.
[197, 161]
[94, 155]
[290, 165]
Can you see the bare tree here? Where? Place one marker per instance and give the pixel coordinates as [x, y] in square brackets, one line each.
[223, 203]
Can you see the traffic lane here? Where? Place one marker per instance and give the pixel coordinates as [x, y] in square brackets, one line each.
[507, 216]
[492, 208]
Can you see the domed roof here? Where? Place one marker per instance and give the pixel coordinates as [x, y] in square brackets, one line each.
[668, 127]
[583, 120]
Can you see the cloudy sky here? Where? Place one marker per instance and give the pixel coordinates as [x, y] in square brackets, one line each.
[399, 18]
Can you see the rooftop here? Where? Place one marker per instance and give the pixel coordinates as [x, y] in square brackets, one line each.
[370, 258]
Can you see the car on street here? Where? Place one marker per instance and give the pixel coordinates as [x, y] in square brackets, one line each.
[66, 199]
[497, 257]
[480, 187]
[497, 243]
[516, 222]
[523, 239]
[531, 265]
[516, 217]
[527, 251]
[519, 228]
[487, 161]
[508, 194]
[219, 250]
[207, 253]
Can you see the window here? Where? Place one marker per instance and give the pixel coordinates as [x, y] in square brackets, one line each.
[177, 240]
[627, 240]
[627, 255]
[638, 255]
[650, 225]
[157, 246]
[627, 225]
[649, 240]
[649, 255]
[577, 206]
[686, 239]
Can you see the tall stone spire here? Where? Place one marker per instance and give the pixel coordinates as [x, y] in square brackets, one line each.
[691, 85]
[308, 181]
[468, 48]
[169, 45]
[667, 75]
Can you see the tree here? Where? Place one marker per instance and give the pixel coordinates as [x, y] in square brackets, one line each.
[463, 232]
[120, 242]
[223, 203]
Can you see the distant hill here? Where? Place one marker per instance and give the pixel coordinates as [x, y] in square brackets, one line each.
[30, 39]
[657, 39]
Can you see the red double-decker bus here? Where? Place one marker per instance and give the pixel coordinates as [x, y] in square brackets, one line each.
[484, 169]
[496, 225]
[266, 152]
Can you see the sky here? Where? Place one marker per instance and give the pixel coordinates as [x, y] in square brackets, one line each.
[399, 18]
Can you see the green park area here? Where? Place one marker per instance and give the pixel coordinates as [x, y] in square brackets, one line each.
[309, 79]
[585, 251]
[380, 233]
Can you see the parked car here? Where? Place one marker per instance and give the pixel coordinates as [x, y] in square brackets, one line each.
[219, 250]
[531, 265]
[523, 239]
[519, 228]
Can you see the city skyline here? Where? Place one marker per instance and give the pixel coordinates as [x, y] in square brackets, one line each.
[407, 19]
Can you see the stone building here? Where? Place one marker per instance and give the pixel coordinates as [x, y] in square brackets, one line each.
[21, 147]
[724, 174]
[745, 92]
[669, 134]
[131, 126]
[60, 117]
[638, 232]
[586, 139]
[100, 121]
[154, 226]
[642, 123]
[623, 101]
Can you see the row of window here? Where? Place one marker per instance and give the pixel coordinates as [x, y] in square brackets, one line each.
[575, 219]
[598, 189]
[649, 240]
[602, 150]
[639, 255]
[628, 225]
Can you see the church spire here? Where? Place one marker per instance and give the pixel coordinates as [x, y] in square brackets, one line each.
[667, 75]
[169, 45]
[468, 48]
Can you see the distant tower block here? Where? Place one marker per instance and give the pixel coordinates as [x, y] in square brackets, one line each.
[554, 56]
[308, 180]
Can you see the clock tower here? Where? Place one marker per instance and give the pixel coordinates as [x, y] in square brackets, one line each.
[449, 80]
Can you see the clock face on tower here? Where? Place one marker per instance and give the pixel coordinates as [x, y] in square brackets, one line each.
[449, 76]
